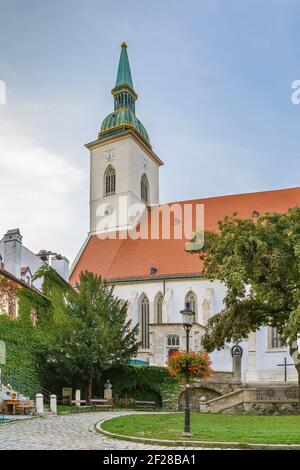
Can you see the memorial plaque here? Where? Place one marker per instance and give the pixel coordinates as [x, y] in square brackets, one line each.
[277, 394]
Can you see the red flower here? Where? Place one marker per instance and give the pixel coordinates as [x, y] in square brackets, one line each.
[196, 365]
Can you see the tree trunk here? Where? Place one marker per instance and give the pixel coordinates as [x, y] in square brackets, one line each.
[89, 390]
[294, 353]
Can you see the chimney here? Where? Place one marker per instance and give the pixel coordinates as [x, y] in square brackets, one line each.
[61, 265]
[12, 242]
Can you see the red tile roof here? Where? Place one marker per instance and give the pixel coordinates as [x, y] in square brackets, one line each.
[116, 259]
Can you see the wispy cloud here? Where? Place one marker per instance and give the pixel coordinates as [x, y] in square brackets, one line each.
[36, 190]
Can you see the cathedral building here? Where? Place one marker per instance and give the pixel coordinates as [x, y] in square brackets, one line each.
[142, 247]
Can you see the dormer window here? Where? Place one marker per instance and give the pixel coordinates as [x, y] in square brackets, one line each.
[26, 275]
[109, 181]
[145, 189]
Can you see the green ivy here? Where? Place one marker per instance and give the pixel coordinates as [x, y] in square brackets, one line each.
[25, 343]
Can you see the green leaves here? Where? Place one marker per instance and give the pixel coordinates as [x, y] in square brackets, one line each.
[97, 335]
[259, 262]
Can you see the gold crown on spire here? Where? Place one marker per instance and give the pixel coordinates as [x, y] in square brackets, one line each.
[123, 44]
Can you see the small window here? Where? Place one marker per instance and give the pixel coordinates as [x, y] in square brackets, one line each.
[173, 344]
[109, 181]
[173, 341]
[275, 341]
[145, 189]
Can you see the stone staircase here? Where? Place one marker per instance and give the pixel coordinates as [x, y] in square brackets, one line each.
[255, 398]
[232, 401]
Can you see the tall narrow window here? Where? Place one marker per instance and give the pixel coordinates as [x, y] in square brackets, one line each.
[145, 189]
[12, 306]
[109, 181]
[144, 321]
[158, 307]
[275, 341]
[191, 298]
[33, 316]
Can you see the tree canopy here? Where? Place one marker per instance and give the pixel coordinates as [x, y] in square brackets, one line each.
[258, 260]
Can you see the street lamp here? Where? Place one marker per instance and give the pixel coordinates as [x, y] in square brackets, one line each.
[188, 316]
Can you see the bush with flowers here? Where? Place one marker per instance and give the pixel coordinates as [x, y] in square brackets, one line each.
[195, 365]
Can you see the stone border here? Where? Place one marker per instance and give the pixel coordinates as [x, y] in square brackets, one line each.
[201, 444]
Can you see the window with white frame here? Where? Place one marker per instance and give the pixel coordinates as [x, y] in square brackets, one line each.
[275, 341]
[191, 299]
[144, 321]
[109, 181]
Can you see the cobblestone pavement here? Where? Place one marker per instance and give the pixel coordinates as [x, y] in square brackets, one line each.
[70, 431]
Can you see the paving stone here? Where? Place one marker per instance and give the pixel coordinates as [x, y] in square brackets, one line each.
[70, 431]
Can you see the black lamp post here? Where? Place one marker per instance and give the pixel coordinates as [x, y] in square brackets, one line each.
[187, 319]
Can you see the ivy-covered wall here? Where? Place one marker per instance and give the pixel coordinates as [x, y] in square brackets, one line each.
[23, 344]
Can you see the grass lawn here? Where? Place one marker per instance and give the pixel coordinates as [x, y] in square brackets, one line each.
[210, 427]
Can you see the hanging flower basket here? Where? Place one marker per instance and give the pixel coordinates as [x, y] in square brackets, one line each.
[195, 365]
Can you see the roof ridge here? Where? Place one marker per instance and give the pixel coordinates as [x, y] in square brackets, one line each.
[229, 195]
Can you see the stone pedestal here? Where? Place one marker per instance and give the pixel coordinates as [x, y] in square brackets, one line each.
[237, 368]
[39, 404]
[252, 375]
[53, 404]
[78, 397]
[108, 394]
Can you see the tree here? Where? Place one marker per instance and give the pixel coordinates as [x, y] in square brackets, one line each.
[259, 262]
[98, 335]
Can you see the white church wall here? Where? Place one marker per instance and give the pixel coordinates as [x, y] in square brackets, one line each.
[178, 289]
[265, 360]
[141, 163]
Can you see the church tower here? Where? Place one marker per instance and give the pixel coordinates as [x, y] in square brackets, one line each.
[124, 170]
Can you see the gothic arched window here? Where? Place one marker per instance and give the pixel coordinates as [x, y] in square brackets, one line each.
[158, 307]
[109, 181]
[144, 321]
[191, 299]
[145, 189]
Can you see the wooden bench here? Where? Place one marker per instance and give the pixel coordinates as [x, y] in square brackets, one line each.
[79, 404]
[100, 402]
[146, 404]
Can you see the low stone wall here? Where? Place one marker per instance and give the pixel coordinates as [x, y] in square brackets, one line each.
[256, 400]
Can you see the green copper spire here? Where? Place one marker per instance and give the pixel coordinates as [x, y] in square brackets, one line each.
[124, 73]
[123, 118]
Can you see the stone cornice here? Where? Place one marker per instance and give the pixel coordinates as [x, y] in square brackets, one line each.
[129, 133]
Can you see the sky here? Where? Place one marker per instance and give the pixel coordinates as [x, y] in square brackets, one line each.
[214, 80]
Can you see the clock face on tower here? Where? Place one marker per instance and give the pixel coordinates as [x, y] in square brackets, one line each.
[109, 155]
